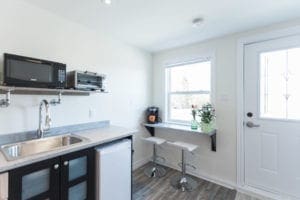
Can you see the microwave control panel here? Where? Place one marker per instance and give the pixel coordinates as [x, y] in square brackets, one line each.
[61, 75]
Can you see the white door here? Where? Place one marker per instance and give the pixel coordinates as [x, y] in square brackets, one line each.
[272, 115]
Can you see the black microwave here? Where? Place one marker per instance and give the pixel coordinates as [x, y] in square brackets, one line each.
[23, 71]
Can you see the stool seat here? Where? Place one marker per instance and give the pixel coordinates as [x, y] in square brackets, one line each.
[155, 140]
[184, 146]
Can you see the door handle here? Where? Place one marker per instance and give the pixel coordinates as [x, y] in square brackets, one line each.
[252, 125]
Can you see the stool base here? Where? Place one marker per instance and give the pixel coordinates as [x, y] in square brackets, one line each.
[184, 183]
[155, 171]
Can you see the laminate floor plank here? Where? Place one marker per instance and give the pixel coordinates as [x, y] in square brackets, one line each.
[145, 188]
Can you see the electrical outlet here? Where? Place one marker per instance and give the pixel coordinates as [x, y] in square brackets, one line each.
[91, 113]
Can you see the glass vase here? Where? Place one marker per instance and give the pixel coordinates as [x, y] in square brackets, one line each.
[194, 124]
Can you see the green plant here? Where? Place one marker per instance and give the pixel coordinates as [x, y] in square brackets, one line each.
[207, 113]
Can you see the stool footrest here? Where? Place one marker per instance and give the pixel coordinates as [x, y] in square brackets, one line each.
[159, 159]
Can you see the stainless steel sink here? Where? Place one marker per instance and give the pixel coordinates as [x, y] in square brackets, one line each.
[36, 146]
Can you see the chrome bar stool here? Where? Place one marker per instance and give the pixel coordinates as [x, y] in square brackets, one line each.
[155, 170]
[183, 181]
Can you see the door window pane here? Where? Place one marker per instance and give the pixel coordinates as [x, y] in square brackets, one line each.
[35, 183]
[279, 84]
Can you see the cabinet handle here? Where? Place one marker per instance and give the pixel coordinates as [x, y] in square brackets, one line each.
[56, 166]
[66, 163]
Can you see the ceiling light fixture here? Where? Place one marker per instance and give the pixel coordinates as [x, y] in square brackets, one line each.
[107, 2]
[197, 22]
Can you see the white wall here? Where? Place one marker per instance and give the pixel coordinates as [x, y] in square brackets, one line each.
[221, 165]
[31, 31]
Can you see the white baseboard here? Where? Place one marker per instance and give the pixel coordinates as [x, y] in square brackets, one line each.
[255, 192]
[262, 194]
[139, 163]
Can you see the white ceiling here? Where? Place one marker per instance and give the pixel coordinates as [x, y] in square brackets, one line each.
[156, 25]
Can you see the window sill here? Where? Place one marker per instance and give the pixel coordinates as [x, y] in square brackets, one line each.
[179, 123]
[187, 129]
[179, 127]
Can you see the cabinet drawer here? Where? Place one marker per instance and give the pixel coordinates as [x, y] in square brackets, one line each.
[4, 186]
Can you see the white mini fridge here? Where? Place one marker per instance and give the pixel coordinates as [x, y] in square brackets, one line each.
[113, 171]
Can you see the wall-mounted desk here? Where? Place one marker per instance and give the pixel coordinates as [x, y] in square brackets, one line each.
[213, 134]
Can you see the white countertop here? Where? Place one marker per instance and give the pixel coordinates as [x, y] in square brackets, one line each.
[95, 137]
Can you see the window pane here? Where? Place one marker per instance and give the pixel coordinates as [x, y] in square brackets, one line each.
[35, 183]
[279, 84]
[180, 105]
[77, 168]
[78, 192]
[192, 77]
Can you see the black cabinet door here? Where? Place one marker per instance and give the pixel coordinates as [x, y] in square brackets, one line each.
[38, 181]
[77, 175]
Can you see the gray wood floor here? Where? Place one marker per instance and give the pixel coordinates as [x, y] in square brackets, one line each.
[145, 188]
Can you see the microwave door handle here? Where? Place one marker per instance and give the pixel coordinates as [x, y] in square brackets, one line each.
[34, 61]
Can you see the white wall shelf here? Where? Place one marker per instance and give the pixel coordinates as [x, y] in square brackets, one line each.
[8, 90]
[44, 91]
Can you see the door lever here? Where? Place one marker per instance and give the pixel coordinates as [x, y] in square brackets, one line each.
[252, 125]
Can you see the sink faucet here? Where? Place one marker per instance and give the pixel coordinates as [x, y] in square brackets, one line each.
[41, 129]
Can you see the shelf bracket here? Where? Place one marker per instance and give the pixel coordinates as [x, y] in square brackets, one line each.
[151, 130]
[57, 101]
[4, 103]
[214, 142]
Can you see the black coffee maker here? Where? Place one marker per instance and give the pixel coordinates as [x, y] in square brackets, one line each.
[152, 115]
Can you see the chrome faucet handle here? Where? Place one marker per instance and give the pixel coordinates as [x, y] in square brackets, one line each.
[57, 101]
[4, 103]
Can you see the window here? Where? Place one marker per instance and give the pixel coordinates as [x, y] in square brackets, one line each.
[279, 84]
[187, 85]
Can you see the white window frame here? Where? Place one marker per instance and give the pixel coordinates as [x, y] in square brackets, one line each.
[168, 93]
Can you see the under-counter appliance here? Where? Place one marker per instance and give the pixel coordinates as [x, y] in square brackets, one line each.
[84, 80]
[113, 171]
[24, 71]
